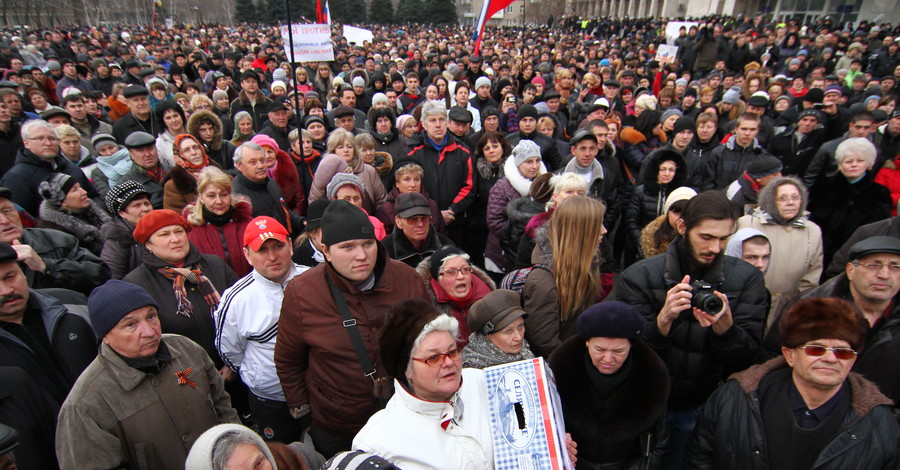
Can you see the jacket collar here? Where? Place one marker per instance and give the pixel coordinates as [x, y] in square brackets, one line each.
[126, 376]
[295, 270]
[437, 411]
[51, 313]
[403, 248]
[675, 271]
[732, 145]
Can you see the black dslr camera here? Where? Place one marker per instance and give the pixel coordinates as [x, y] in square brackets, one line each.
[702, 297]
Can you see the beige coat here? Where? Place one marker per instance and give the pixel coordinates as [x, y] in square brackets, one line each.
[119, 417]
[796, 261]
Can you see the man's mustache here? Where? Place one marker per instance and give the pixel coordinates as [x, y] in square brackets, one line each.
[9, 298]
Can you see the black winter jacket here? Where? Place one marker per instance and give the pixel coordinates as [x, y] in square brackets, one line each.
[549, 151]
[121, 252]
[842, 256]
[795, 158]
[71, 338]
[843, 207]
[30, 170]
[632, 418]
[649, 196]
[698, 360]
[69, 266]
[727, 162]
[730, 434]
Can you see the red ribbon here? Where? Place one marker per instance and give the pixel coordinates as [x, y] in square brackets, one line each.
[183, 377]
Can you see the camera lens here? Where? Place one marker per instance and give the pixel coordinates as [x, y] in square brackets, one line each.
[708, 302]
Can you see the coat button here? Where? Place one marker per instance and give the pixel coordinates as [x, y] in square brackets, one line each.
[155, 382]
[184, 437]
[788, 229]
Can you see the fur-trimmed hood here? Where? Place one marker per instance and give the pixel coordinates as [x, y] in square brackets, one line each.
[649, 248]
[650, 169]
[633, 408]
[518, 182]
[523, 209]
[424, 272]
[633, 136]
[203, 116]
[865, 394]
[383, 163]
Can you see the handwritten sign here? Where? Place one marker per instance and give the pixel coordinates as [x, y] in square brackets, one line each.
[666, 53]
[312, 42]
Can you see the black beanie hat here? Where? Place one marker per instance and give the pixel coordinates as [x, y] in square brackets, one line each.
[684, 123]
[405, 321]
[528, 110]
[112, 301]
[440, 255]
[343, 221]
[689, 92]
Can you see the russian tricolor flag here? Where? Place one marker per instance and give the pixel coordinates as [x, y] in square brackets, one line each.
[323, 15]
[488, 9]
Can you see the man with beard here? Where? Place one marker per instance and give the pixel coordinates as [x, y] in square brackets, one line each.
[700, 347]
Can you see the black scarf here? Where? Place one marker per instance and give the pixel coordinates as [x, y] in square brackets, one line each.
[605, 384]
[152, 365]
[216, 219]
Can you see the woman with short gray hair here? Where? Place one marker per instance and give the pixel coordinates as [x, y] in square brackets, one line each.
[849, 199]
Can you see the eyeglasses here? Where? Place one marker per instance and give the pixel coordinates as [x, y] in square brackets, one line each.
[815, 350]
[793, 198]
[435, 360]
[452, 272]
[877, 267]
[46, 138]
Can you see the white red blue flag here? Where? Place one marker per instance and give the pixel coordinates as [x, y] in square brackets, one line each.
[488, 9]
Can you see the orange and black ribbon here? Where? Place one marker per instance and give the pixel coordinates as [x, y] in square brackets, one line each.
[183, 377]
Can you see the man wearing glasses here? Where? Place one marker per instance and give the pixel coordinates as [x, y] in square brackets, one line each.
[804, 408]
[871, 282]
[38, 158]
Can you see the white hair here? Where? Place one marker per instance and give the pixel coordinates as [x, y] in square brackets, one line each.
[443, 322]
[857, 146]
[34, 124]
[434, 107]
[239, 152]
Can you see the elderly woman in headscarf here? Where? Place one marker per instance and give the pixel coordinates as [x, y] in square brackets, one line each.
[796, 259]
[497, 327]
[66, 207]
[613, 388]
[243, 128]
[180, 184]
[185, 282]
[453, 284]
[230, 446]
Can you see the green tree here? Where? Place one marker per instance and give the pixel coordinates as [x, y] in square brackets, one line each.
[273, 12]
[245, 11]
[381, 12]
[409, 11]
[440, 12]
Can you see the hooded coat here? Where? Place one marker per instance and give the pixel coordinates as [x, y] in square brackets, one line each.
[795, 264]
[730, 432]
[629, 423]
[649, 198]
[219, 150]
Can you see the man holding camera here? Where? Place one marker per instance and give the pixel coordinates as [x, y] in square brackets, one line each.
[705, 314]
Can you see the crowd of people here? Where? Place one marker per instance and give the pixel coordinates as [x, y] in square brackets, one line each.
[211, 257]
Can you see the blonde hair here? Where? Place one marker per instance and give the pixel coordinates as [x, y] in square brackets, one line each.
[209, 176]
[566, 182]
[66, 130]
[340, 136]
[646, 102]
[197, 99]
[575, 227]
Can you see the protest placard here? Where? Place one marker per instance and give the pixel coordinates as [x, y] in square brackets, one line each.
[357, 36]
[312, 42]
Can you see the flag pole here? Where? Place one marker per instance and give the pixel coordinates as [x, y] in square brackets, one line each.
[293, 78]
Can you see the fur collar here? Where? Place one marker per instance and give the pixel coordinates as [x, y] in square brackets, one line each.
[648, 244]
[85, 227]
[184, 182]
[865, 394]
[632, 136]
[286, 172]
[515, 178]
[384, 162]
[632, 409]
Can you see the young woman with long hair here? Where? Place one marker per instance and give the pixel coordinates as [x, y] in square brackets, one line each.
[568, 278]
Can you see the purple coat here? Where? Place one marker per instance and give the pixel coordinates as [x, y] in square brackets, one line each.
[501, 194]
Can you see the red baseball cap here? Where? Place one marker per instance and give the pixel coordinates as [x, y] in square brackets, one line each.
[261, 229]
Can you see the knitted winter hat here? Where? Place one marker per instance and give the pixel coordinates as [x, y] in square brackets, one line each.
[112, 301]
[155, 220]
[524, 150]
[612, 319]
[441, 256]
[56, 187]
[732, 96]
[122, 194]
[343, 221]
[339, 180]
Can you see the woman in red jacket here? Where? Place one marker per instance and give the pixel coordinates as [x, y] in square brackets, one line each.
[218, 220]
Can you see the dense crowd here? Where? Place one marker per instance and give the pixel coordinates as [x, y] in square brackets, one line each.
[285, 264]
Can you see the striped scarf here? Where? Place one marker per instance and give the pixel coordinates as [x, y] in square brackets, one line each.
[194, 276]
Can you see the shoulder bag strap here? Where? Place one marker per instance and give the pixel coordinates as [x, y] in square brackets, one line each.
[350, 326]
